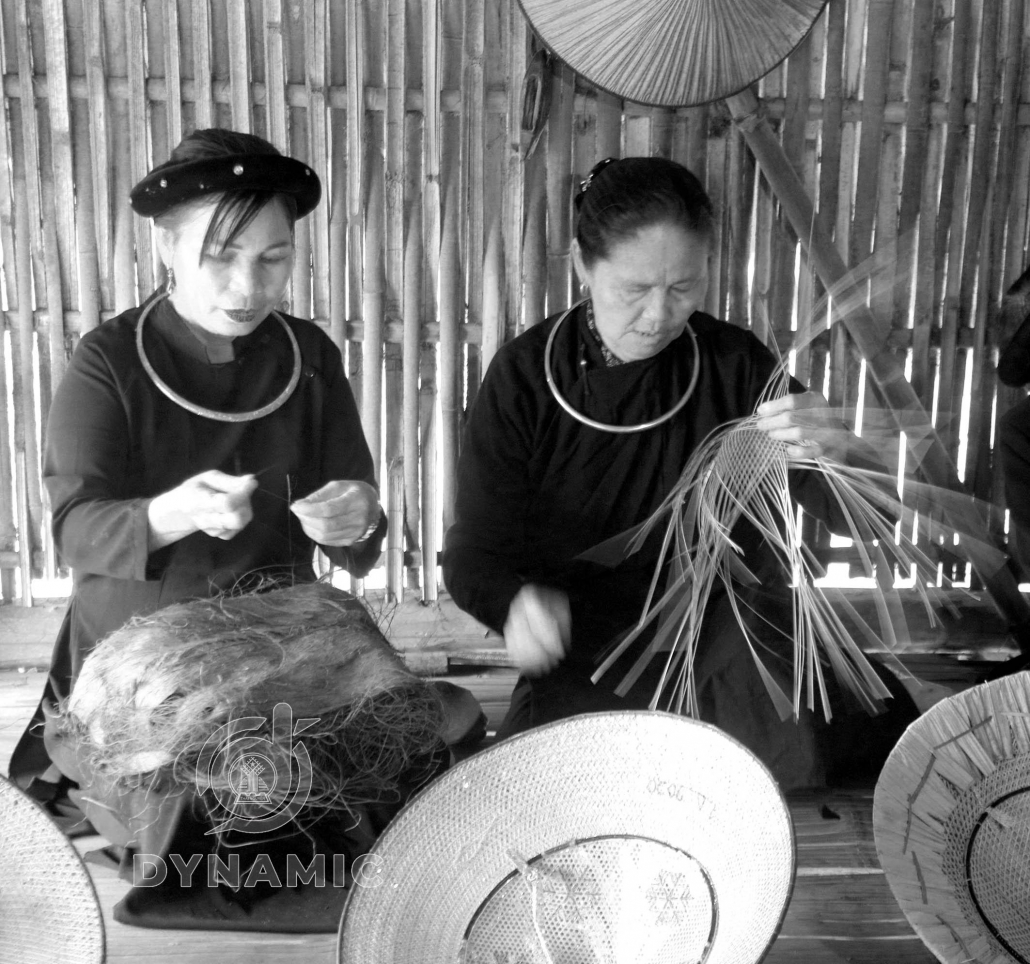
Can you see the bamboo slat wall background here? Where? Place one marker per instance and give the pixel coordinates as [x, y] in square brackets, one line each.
[907, 120]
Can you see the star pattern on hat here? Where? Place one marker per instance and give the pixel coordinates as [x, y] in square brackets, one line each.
[569, 895]
[669, 896]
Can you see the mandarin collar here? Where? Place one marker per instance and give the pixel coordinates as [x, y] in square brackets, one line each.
[175, 329]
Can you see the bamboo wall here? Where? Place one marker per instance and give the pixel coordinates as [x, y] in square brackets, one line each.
[438, 240]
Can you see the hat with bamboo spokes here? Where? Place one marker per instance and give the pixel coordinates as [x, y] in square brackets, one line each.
[951, 818]
[672, 53]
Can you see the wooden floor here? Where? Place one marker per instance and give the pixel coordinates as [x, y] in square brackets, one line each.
[841, 910]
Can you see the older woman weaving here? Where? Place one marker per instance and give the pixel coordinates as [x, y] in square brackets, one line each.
[583, 426]
[195, 442]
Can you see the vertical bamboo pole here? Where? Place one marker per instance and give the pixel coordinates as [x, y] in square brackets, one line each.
[450, 346]
[715, 176]
[987, 479]
[396, 129]
[8, 482]
[429, 477]
[336, 182]
[45, 255]
[473, 118]
[8, 526]
[296, 129]
[917, 206]
[830, 128]
[275, 76]
[99, 154]
[30, 266]
[948, 223]
[355, 28]
[432, 83]
[372, 307]
[315, 86]
[493, 297]
[515, 173]
[139, 136]
[874, 98]
[988, 186]
[239, 65]
[395, 546]
[22, 342]
[202, 64]
[663, 126]
[173, 72]
[740, 192]
[411, 345]
[637, 131]
[58, 191]
[559, 184]
[584, 156]
[24, 528]
[534, 240]
[451, 298]
[609, 126]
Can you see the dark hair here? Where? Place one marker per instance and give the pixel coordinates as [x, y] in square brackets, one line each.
[235, 209]
[621, 197]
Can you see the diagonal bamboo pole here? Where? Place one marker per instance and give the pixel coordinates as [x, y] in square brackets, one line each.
[870, 337]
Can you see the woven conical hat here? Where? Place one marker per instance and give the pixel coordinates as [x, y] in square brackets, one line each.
[672, 53]
[48, 907]
[951, 817]
[642, 838]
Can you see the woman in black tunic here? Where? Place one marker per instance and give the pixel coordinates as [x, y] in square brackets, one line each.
[186, 431]
[537, 486]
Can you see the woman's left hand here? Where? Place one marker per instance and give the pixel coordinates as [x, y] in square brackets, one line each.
[339, 513]
[807, 424]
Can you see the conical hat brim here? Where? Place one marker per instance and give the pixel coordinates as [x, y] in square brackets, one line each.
[48, 906]
[672, 53]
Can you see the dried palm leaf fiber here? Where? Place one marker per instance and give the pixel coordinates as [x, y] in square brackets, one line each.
[672, 53]
[193, 694]
[951, 820]
[739, 474]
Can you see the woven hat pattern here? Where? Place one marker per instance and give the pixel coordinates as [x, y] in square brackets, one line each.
[951, 818]
[615, 837]
[672, 53]
[48, 907]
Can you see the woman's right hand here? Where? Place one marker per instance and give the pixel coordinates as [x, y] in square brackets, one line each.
[211, 502]
[538, 629]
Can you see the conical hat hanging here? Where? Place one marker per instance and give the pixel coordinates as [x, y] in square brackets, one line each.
[672, 53]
